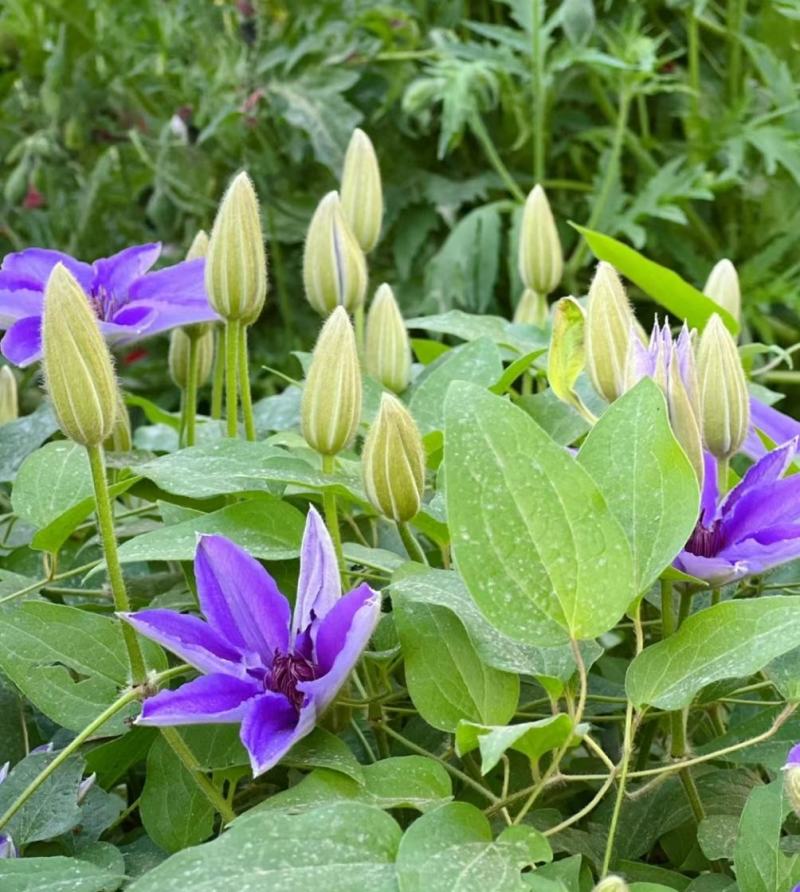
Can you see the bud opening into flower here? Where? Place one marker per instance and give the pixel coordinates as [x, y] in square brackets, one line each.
[532, 309]
[334, 268]
[362, 192]
[9, 400]
[387, 354]
[791, 778]
[394, 462]
[179, 356]
[722, 286]
[331, 406]
[78, 370]
[611, 883]
[541, 260]
[724, 400]
[236, 262]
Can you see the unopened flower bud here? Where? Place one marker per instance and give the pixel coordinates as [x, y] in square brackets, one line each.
[394, 462]
[236, 263]
[7, 847]
[334, 268]
[78, 370]
[791, 778]
[120, 439]
[609, 321]
[180, 355]
[541, 260]
[198, 250]
[388, 350]
[362, 192]
[685, 424]
[532, 309]
[722, 286]
[724, 401]
[9, 401]
[331, 405]
[611, 883]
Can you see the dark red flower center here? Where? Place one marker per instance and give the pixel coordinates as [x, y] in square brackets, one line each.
[287, 671]
[705, 541]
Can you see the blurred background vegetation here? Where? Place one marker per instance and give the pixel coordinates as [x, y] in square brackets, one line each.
[674, 126]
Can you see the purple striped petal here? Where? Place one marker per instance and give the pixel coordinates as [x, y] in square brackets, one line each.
[766, 470]
[762, 507]
[714, 570]
[178, 284]
[761, 556]
[36, 264]
[207, 699]
[188, 637]
[710, 494]
[22, 343]
[18, 303]
[270, 728]
[793, 758]
[319, 587]
[117, 273]
[152, 317]
[239, 598]
[777, 426]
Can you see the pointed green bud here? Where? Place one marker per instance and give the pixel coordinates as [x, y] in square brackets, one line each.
[178, 358]
[362, 192]
[334, 268]
[236, 263]
[722, 386]
[541, 260]
[120, 439]
[685, 424]
[609, 319]
[331, 407]
[199, 246]
[9, 401]
[387, 353]
[722, 287]
[532, 309]
[611, 883]
[78, 370]
[394, 462]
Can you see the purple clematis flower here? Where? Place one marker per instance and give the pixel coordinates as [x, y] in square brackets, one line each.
[273, 672]
[130, 302]
[755, 527]
[777, 426]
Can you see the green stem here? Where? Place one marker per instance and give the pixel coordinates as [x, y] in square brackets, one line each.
[190, 399]
[692, 794]
[488, 146]
[627, 747]
[231, 375]
[105, 525]
[218, 381]
[244, 385]
[331, 511]
[716, 595]
[667, 609]
[539, 93]
[178, 746]
[182, 422]
[413, 547]
[722, 475]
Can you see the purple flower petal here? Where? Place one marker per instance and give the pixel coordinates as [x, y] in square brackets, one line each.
[777, 426]
[341, 638]
[18, 303]
[36, 264]
[714, 570]
[178, 284]
[207, 699]
[4, 769]
[319, 587]
[761, 556]
[270, 728]
[793, 758]
[22, 343]
[7, 847]
[710, 494]
[239, 598]
[116, 274]
[768, 469]
[152, 317]
[188, 637]
[758, 508]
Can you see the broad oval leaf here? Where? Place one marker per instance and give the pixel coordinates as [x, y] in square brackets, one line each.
[645, 477]
[540, 551]
[729, 640]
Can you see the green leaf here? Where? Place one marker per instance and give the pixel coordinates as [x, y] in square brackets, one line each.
[567, 357]
[557, 419]
[515, 370]
[646, 478]
[51, 480]
[760, 864]
[534, 739]
[446, 678]
[472, 326]
[70, 663]
[267, 527]
[56, 874]
[538, 547]
[174, 811]
[716, 835]
[675, 294]
[398, 782]
[478, 361]
[345, 847]
[729, 640]
[18, 439]
[451, 850]
[321, 749]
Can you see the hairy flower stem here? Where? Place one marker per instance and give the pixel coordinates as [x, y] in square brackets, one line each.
[105, 525]
[189, 420]
[722, 475]
[231, 375]
[539, 92]
[331, 512]
[218, 381]
[413, 548]
[217, 801]
[244, 385]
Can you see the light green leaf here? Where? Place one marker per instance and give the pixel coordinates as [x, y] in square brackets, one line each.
[18, 439]
[472, 326]
[50, 481]
[70, 663]
[56, 874]
[446, 679]
[540, 551]
[729, 640]
[645, 476]
[666, 287]
[345, 847]
[534, 739]
[716, 836]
